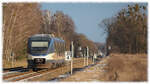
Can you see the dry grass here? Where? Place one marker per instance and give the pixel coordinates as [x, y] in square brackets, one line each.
[18, 63]
[23, 62]
[126, 67]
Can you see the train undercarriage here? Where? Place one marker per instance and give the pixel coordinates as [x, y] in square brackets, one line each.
[38, 64]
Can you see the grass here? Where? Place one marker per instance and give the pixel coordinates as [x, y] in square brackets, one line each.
[126, 67]
[18, 63]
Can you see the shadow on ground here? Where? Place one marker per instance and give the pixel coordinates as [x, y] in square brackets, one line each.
[18, 69]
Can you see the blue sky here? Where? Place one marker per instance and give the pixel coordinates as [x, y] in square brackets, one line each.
[87, 16]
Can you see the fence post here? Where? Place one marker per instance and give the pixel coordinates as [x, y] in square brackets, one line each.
[72, 53]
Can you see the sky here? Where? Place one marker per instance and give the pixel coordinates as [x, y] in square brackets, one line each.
[87, 16]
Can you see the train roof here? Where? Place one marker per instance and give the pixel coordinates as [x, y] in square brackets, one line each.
[47, 35]
[58, 39]
[40, 35]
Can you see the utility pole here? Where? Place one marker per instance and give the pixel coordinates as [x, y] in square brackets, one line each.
[84, 53]
[12, 59]
[72, 53]
[87, 54]
[93, 58]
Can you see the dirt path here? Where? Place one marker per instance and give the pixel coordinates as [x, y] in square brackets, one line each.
[93, 73]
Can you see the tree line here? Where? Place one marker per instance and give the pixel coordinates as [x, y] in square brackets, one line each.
[22, 20]
[62, 26]
[127, 30]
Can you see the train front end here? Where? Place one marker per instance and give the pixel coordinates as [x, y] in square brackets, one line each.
[38, 51]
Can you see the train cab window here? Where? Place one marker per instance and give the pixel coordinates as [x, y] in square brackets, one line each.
[52, 49]
[55, 46]
[60, 47]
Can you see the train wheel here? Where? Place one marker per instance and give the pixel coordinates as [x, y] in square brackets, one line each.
[29, 66]
[57, 65]
[63, 63]
[34, 69]
[60, 64]
[53, 65]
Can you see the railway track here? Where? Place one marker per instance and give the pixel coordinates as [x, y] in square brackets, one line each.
[40, 75]
[7, 73]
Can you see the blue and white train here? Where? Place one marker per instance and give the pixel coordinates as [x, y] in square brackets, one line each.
[45, 51]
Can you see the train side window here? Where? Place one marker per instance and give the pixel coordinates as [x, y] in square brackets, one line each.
[55, 49]
[64, 47]
[55, 46]
[52, 48]
[60, 47]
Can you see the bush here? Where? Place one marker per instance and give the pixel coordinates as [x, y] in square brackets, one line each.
[124, 67]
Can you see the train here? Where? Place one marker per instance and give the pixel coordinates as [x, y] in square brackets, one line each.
[45, 51]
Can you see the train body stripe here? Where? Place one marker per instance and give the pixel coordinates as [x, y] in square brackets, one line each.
[47, 57]
[51, 56]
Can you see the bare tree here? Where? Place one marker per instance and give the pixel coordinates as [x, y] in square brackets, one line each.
[20, 20]
[127, 31]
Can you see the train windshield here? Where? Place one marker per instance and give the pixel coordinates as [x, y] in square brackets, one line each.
[39, 47]
[39, 44]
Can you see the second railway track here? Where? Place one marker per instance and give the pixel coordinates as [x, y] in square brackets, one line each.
[42, 74]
